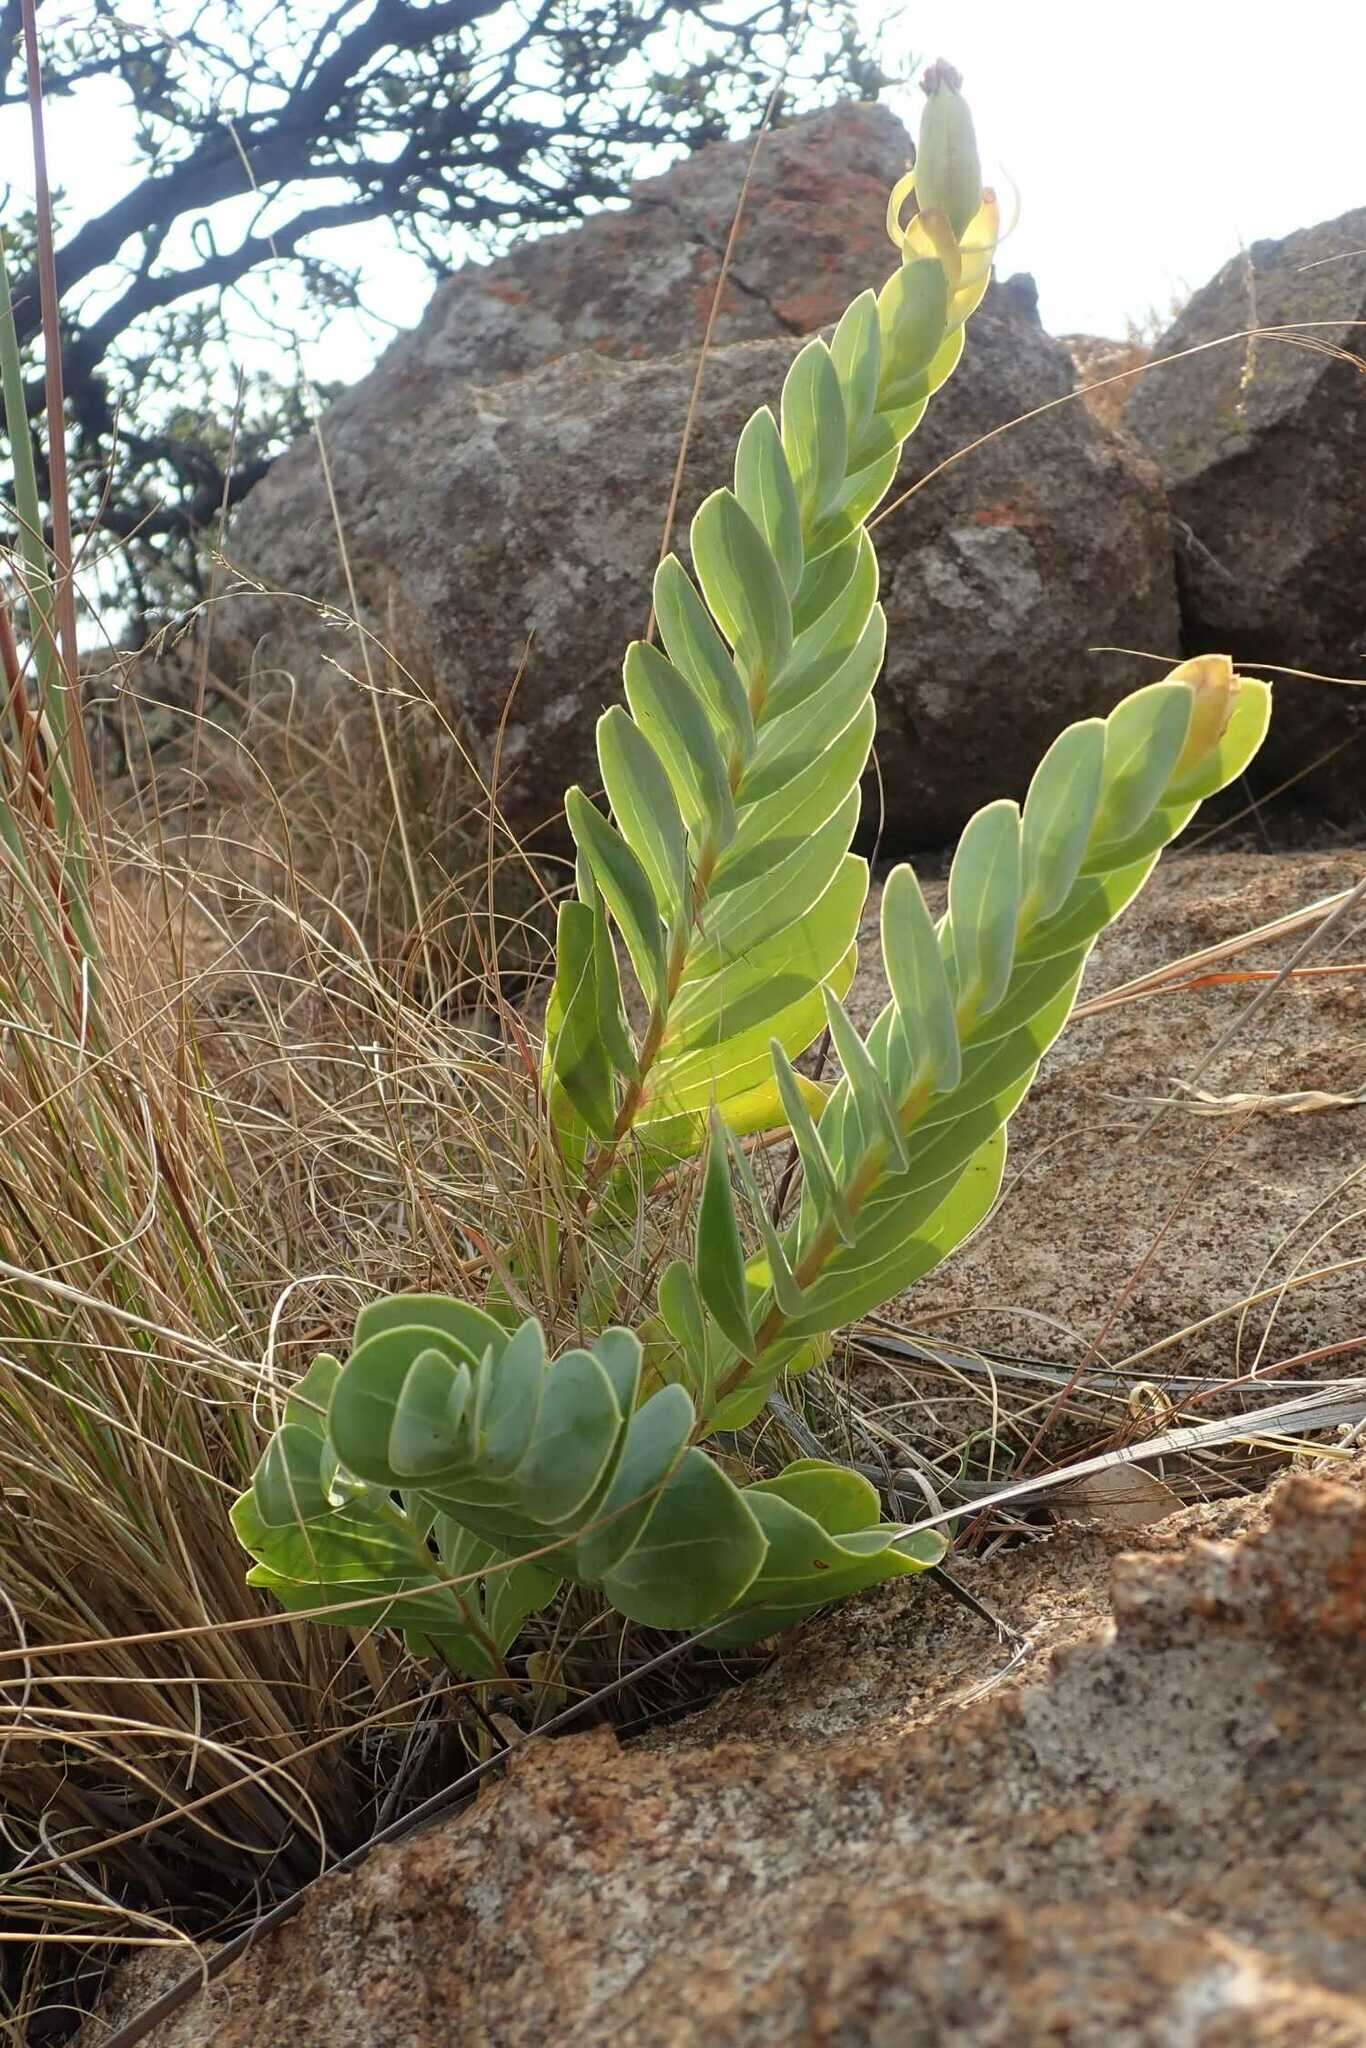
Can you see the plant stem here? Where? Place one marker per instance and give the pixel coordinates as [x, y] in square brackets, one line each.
[658, 1025]
[863, 1180]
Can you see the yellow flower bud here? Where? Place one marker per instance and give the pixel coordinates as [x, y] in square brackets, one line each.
[1214, 688]
[948, 171]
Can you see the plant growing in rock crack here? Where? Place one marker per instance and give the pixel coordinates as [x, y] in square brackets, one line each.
[451, 1475]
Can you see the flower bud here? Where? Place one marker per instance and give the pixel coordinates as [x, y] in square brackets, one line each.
[1214, 688]
[948, 171]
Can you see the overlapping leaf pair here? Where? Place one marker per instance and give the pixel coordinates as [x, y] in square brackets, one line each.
[446, 1449]
[450, 1475]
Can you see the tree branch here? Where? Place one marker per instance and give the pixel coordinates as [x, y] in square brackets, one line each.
[406, 110]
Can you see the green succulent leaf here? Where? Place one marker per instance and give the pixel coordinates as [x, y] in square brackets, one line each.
[1059, 812]
[685, 1319]
[779, 1273]
[552, 1466]
[870, 1100]
[818, 1172]
[826, 1540]
[815, 435]
[923, 1037]
[744, 587]
[467, 1329]
[645, 808]
[856, 352]
[626, 886]
[321, 1539]
[580, 1063]
[694, 645]
[914, 1225]
[912, 315]
[984, 906]
[763, 484]
[1143, 740]
[675, 723]
[697, 1554]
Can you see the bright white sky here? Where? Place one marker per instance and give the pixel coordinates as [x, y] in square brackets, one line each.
[1149, 141]
[1145, 142]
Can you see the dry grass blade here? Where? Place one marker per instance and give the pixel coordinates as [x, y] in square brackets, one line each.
[1339, 1407]
[1297, 1102]
[1192, 970]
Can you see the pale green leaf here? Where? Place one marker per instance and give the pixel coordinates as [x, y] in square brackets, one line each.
[862, 490]
[920, 988]
[775, 974]
[739, 918]
[872, 1273]
[655, 1443]
[625, 884]
[1144, 737]
[645, 808]
[1058, 815]
[616, 1038]
[744, 587]
[984, 905]
[857, 355]
[672, 719]
[683, 1316]
[369, 1388]
[694, 646]
[720, 1255]
[871, 1102]
[365, 1560]
[815, 436]
[512, 1593]
[469, 1329]
[836, 624]
[781, 1278]
[821, 1183]
[913, 309]
[763, 484]
[579, 1062]
[818, 1551]
[1094, 902]
[824, 581]
[699, 1552]
[576, 1437]
[508, 1401]
[801, 805]
[735, 1060]
[792, 740]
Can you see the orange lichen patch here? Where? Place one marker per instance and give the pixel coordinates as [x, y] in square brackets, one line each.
[1016, 516]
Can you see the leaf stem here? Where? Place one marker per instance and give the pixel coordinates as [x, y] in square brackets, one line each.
[862, 1182]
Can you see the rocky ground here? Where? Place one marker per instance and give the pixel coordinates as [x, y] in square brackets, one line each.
[1148, 1835]
[1149, 1832]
